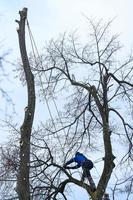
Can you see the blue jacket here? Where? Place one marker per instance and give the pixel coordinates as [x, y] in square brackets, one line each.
[79, 159]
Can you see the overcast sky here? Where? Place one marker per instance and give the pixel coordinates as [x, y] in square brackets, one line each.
[48, 18]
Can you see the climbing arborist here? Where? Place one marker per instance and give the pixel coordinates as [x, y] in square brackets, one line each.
[86, 165]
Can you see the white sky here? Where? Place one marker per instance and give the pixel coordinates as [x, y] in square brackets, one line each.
[48, 18]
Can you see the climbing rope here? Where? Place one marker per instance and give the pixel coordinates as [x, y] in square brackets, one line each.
[98, 160]
[35, 50]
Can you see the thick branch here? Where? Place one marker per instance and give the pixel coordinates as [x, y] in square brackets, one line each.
[120, 81]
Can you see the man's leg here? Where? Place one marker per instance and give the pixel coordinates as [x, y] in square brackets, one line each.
[83, 177]
[92, 184]
[87, 165]
[84, 174]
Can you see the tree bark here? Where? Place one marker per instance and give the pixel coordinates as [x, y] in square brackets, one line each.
[109, 157]
[23, 185]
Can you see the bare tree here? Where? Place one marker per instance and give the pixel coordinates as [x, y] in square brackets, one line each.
[4, 77]
[97, 88]
[23, 187]
[103, 80]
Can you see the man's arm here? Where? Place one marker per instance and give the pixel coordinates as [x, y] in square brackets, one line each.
[68, 162]
[73, 167]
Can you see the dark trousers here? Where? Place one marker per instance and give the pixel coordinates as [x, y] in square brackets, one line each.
[87, 166]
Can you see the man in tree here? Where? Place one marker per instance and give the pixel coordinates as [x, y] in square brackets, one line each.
[86, 165]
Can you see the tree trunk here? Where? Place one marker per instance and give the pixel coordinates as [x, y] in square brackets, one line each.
[109, 157]
[23, 186]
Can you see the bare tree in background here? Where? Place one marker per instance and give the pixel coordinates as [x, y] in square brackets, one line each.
[102, 88]
[4, 76]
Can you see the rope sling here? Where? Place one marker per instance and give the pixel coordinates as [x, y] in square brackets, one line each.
[34, 48]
